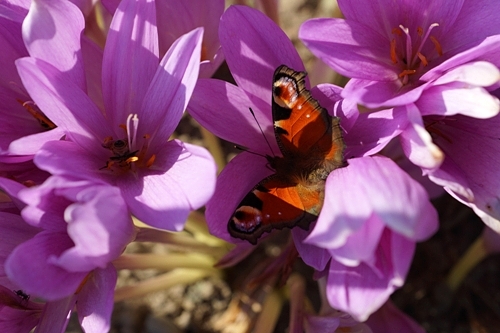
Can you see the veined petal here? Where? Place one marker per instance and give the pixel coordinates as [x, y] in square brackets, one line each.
[361, 290]
[223, 109]
[63, 102]
[390, 319]
[171, 88]
[68, 158]
[100, 233]
[471, 147]
[312, 255]
[51, 32]
[254, 46]
[417, 142]
[95, 300]
[30, 144]
[30, 266]
[458, 98]
[349, 47]
[234, 182]
[390, 14]
[381, 189]
[372, 131]
[176, 18]
[55, 315]
[130, 58]
[183, 180]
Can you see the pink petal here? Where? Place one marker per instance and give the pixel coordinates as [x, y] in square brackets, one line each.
[391, 319]
[350, 48]
[95, 300]
[130, 58]
[51, 32]
[30, 266]
[184, 181]
[312, 255]
[171, 87]
[100, 234]
[377, 187]
[30, 144]
[254, 46]
[372, 131]
[361, 290]
[223, 109]
[63, 102]
[417, 142]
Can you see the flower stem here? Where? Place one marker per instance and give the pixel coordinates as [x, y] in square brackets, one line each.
[164, 262]
[162, 282]
[270, 312]
[473, 256]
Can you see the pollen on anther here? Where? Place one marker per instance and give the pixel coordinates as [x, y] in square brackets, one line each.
[150, 161]
[422, 58]
[394, 56]
[407, 72]
[420, 31]
[438, 47]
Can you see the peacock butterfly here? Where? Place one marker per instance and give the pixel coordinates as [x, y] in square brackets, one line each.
[312, 146]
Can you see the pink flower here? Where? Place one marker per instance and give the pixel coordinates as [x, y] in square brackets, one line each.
[127, 145]
[62, 248]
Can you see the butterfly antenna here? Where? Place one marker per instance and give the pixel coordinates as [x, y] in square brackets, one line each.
[261, 131]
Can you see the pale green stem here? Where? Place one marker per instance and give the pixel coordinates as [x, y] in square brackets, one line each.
[270, 312]
[162, 282]
[197, 225]
[181, 241]
[473, 256]
[164, 262]
[213, 144]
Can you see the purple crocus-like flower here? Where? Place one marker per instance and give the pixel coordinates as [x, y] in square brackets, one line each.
[373, 212]
[175, 18]
[25, 128]
[442, 71]
[127, 144]
[391, 50]
[62, 247]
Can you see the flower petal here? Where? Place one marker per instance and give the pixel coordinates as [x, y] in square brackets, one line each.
[95, 300]
[63, 102]
[31, 267]
[100, 234]
[130, 58]
[312, 255]
[378, 187]
[223, 109]
[361, 290]
[350, 48]
[51, 32]
[455, 98]
[254, 46]
[183, 180]
[171, 87]
[417, 142]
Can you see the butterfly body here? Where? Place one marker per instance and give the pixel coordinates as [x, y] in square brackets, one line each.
[311, 144]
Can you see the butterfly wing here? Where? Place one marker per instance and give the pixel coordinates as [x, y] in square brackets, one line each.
[303, 128]
[272, 204]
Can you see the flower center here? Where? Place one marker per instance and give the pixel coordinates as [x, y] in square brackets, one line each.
[128, 153]
[409, 53]
[42, 119]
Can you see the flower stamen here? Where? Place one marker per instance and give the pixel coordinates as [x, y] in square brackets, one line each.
[42, 119]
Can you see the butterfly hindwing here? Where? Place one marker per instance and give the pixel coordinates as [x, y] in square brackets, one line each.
[272, 204]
